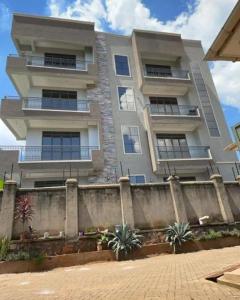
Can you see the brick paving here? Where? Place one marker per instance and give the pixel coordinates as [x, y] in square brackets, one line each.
[160, 277]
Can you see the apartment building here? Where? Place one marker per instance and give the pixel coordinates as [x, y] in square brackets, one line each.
[97, 105]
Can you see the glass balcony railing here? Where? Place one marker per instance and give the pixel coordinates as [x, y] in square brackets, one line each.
[184, 152]
[173, 110]
[166, 73]
[52, 153]
[56, 104]
[57, 62]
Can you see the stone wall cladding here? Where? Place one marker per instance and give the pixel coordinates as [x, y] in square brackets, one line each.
[102, 94]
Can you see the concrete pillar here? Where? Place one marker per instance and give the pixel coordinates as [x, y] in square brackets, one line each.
[126, 202]
[7, 208]
[238, 179]
[177, 198]
[71, 222]
[222, 198]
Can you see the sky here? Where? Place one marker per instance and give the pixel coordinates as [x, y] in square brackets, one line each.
[194, 19]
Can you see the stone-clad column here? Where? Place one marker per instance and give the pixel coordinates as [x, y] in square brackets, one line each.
[7, 208]
[126, 202]
[222, 198]
[71, 222]
[177, 198]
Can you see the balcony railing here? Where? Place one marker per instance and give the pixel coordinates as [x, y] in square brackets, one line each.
[56, 104]
[173, 110]
[57, 62]
[164, 73]
[184, 152]
[52, 153]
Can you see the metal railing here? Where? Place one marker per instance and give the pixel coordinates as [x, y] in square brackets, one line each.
[171, 109]
[183, 152]
[52, 153]
[57, 62]
[56, 104]
[165, 73]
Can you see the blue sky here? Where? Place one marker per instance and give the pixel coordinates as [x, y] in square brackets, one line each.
[198, 19]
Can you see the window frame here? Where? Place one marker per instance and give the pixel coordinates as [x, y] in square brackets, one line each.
[140, 145]
[118, 96]
[115, 69]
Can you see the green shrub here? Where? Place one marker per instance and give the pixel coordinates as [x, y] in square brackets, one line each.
[178, 234]
[1, 184]
[4, 247]
[211, 235]
[124, 241]
[21, 255]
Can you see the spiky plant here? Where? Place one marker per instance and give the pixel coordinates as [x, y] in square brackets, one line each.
[124, 241]
[23, 209]
[177, 234]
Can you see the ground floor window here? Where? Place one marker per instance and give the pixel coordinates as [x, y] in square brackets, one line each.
[182, 178]
[134, 179]
[49, 183]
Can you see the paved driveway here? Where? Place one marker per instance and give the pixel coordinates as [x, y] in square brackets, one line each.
[161, 277]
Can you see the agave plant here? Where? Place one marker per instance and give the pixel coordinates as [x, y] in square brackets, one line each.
[177, 234]
[124, 241]
[23, 210]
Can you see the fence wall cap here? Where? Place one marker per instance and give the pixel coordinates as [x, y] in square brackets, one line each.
[216, 176]
[124, 179]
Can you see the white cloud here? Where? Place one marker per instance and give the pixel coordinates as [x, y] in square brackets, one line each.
[90, 10]
[226, 77]
[5, 17]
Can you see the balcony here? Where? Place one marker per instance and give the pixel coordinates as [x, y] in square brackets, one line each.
[172, 118]
[55, 104]
[50, 72]
[19, 115]
[183, 153]
[43, 157]
[165, 81]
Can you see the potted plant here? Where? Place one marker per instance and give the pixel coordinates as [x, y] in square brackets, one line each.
[102, 241]
[23, 213]
[177, 234]
[124, 241]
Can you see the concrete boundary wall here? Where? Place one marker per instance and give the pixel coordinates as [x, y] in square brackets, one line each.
[76, 208]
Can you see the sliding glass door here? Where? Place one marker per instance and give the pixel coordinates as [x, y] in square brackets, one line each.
[172, 146]
[61, 146]
[59, 100]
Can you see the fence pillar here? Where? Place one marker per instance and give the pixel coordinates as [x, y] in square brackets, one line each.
[126, 202]
[222, 198]
[238, 179]
[177, 198]
[7, 208]
[71, 222]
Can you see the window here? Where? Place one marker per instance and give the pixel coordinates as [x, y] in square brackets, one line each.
[60, 100]
[182, 178]
[164, 106]
[237, 130]
[126, 98]
[137, 179]
[60, 60]
[121, 65]
[61, 146]
[48, 183]
[158, 70]
[131, 140]
[205, 101]
[172, 146]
